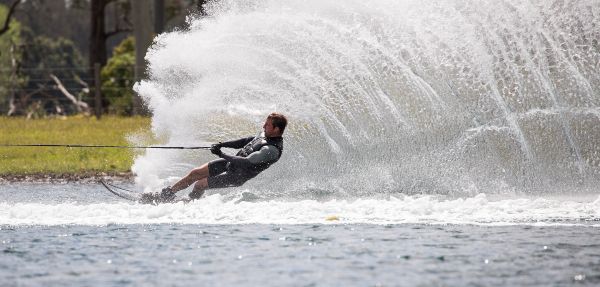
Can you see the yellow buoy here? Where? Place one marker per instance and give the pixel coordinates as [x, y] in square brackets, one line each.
[332, 218]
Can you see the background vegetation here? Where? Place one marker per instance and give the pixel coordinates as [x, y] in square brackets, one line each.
[119, 73]
[49, 51]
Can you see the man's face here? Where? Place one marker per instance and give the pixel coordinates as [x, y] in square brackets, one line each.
[270, 131]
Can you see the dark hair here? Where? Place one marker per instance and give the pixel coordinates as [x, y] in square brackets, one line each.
[278, 121]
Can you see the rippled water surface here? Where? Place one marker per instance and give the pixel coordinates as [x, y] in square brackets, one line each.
[81, 235]
[299, 255]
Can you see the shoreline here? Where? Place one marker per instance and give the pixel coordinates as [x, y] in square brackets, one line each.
[83, 177]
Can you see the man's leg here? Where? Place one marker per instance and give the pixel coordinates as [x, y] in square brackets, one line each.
[199, 188]
[222, 180]
[199, 173]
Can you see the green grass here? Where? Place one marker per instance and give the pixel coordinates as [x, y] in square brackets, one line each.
[71, 130]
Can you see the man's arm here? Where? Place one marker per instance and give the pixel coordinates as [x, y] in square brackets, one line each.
[265, 154]
[237, 143]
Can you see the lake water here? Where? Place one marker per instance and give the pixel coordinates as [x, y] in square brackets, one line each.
[80, 235]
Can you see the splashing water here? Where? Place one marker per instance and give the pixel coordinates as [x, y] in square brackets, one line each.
[384, 97]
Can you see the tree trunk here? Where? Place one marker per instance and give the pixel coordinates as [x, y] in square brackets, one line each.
[98, 33]
[98, 38]
[159, 16]
[142, 30]
[80, 106]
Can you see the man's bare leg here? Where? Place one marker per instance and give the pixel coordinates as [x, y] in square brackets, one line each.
[199, 173]
[199, 188]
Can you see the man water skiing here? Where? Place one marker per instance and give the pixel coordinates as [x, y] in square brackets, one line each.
[256, 154]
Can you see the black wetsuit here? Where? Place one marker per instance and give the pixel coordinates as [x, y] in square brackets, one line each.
[257, 154]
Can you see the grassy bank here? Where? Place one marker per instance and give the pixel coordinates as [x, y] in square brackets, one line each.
[71, 130]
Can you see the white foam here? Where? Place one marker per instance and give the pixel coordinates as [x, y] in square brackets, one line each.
[479, 210]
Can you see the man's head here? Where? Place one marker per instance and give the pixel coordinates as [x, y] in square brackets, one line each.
[275, 125]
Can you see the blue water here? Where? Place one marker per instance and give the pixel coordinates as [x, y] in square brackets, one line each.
[299, 255]
[81, 235]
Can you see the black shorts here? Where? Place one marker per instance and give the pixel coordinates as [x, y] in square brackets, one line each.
[219, 175]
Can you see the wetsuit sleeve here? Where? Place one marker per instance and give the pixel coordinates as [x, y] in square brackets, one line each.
[237, 143]
[265, 154]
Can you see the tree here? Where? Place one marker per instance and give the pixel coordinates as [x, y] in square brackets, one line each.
[58, 19]
[118, 77]
[7, 20]
[38, 74]
[99, 35]
[10, 79]
[53, 69]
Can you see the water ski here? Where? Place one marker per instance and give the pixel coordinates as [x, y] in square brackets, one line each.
[122, 192]
[143, 198]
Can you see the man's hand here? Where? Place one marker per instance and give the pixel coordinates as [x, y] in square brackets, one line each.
[216, 149]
